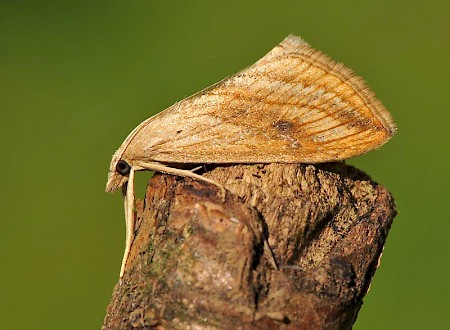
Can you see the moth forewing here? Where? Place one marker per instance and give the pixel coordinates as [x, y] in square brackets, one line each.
[294, 105]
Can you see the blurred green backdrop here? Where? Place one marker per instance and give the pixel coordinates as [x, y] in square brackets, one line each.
[77, 76]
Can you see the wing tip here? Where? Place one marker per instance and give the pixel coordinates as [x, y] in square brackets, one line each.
[380, 112]
[294, 41]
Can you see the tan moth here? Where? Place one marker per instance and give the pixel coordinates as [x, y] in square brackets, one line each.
[295, 105]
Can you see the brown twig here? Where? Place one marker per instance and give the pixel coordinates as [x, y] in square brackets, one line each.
[199, 262]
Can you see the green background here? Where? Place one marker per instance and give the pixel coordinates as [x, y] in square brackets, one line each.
[77, 76]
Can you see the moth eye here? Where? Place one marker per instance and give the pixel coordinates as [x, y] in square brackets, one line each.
[122, 167]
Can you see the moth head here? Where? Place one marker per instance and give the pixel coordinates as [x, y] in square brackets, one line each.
[118, 174]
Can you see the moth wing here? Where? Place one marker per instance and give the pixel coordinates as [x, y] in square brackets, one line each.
[293, 105]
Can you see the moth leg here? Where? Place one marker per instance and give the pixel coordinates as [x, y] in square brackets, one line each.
[269, 254]
[196, 168]
[128, 200]
[179, 172]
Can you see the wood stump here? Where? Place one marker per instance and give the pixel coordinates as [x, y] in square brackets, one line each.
[290, 246]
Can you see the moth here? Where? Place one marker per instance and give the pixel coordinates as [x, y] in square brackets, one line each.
[294, 105]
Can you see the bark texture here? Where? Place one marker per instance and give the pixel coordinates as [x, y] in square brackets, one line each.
[199, 259]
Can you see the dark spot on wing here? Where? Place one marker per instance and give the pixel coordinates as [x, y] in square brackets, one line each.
[283, 126]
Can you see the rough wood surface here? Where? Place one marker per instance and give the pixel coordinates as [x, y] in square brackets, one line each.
[199, 260]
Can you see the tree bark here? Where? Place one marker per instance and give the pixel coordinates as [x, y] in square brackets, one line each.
[201, 260]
